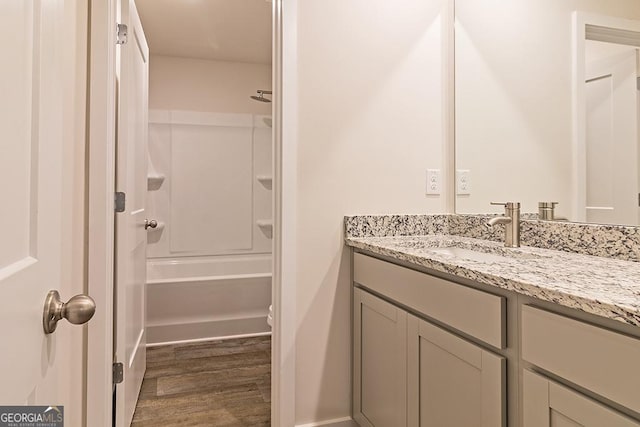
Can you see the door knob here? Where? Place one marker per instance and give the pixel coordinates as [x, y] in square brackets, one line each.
[78, 310]
[150, 223]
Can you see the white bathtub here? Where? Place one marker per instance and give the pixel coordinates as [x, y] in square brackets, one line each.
[204, 298]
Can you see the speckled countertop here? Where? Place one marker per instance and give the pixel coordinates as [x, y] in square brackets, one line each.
[602, 286]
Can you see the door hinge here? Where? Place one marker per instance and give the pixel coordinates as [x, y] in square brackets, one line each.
[121, 34]
[118, 372]
[638, 83]
[120, 201]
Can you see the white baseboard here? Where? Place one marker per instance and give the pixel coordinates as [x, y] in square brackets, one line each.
[338, 422]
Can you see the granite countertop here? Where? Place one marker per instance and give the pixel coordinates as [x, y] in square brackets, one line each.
[602, 286]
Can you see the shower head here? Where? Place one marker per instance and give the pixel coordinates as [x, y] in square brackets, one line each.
[261, 94]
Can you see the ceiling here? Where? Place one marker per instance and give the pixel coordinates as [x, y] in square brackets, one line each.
[222, 30]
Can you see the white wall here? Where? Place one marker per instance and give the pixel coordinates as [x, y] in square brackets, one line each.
[513, 99]
[205, 85]
[370, 124]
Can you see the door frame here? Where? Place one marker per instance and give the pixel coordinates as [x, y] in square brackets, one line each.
[285, 133]
[100, 207]
[613, 30]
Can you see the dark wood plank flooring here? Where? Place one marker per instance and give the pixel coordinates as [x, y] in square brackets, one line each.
[216, 383]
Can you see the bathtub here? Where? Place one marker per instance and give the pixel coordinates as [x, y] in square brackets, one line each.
[204, 298]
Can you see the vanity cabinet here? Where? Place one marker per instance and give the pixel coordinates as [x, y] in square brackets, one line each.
[380, 362]
[433, 352]
[477, 314]
[410, 372]
[452, 382]
[604, 362]
[549, 404]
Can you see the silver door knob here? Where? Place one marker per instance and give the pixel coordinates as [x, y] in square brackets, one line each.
[150, 223]
[78, 310]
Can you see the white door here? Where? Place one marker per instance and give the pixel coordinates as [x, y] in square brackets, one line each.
[41, 213]
[131, 236]
[612, 140]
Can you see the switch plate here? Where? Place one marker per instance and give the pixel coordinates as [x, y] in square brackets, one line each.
[463, 182]
[433, 181]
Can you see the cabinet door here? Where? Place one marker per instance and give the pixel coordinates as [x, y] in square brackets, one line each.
[451, 382]
[548, 404]
[380, 362]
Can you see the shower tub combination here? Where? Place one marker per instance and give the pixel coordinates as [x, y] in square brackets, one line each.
[209, 258]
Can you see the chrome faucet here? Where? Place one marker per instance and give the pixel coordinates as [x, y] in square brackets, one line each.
[511, 221]
[547, 212]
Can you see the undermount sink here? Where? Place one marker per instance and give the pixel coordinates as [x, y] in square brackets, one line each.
[468, 254]
[465, 249]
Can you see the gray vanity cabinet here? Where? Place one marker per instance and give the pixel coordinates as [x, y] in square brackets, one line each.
[409, 372]
[548, 404]
[380, 362]
[452, 382]
[600, 361]
[430, 352]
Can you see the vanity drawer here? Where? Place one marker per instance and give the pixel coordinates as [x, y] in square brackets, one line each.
[473, 312]
[602, 361]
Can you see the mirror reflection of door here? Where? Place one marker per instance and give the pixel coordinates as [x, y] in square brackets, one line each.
[611, 133]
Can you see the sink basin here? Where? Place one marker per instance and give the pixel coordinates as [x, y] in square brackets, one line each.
[468, 254]
[465, 249]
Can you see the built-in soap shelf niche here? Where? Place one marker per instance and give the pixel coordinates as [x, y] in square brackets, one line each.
[266, 225]
[266, 181]
[154, 182]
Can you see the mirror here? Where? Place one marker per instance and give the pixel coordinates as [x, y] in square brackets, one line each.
[547, 107]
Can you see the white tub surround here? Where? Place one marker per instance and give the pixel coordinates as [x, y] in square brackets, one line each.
[209, 259]
[207, 183]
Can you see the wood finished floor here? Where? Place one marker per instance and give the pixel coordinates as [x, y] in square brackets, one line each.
[217, 383]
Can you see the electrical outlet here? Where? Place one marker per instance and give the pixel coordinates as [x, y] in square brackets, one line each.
[463, 182]
[433, 181]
